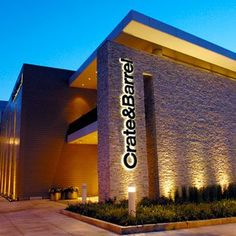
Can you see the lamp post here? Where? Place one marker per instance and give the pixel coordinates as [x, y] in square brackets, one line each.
[84, 193]
[132, 200]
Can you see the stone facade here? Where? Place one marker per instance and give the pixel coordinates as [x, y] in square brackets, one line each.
[186, 125]
[113, 178]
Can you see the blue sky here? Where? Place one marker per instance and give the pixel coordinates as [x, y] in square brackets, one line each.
[63, 33]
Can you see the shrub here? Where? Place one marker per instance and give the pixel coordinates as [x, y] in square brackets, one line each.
[177, 197]
[110, 200]
[184, 194]
[230, 192]
[219, 192]
[193, 204]
[193, 194]
[71, 189]
[161, 201]
[156, 213]
[205, 194]
[54, 190]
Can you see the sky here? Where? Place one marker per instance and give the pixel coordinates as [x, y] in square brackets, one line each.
[63, 33]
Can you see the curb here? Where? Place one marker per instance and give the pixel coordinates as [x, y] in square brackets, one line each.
[148, 227]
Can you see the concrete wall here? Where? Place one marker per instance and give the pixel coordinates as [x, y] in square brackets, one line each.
[188, 136]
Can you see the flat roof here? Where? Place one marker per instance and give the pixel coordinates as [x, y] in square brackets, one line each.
[27, 66]
[139, 27]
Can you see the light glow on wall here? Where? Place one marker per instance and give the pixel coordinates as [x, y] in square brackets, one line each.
[14, 141]
[221, 164]
[169, 187]
[197, 164]
[167, 175]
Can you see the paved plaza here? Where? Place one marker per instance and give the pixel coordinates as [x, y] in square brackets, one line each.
[42, 218]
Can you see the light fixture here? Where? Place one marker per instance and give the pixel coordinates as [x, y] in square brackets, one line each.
[84, 193]
[132, 200]
[131, 189]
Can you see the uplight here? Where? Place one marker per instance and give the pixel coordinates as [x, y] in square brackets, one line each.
[131, 189]
[132, 200]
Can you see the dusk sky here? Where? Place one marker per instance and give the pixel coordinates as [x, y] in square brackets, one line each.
[63, 33]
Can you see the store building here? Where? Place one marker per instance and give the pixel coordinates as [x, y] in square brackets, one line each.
[153, 107]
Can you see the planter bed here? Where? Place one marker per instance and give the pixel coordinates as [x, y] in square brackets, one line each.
[154, 217]
[147, 227]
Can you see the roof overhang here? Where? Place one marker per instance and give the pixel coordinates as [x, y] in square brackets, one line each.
[86, 135]
[144, 33]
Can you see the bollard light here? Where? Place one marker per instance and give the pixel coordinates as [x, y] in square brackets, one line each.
[132, 200]
[84, 193]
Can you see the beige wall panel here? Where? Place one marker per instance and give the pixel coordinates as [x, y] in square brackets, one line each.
[49, 106]
[78, 165]
[10, 147]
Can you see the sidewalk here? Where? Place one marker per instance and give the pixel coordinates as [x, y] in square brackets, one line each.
[41, 218]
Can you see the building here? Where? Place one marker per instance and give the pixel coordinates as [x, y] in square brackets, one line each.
[153, 107]
[3, 105]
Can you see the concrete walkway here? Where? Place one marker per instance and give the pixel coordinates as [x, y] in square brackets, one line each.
[42, 218]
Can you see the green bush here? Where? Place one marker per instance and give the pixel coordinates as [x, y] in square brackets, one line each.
[230, 192]
[159, 201]
[192, 204]
[184, 194]
[210, 193]
[148, 212]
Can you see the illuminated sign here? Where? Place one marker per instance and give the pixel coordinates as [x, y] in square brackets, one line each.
[127, 101]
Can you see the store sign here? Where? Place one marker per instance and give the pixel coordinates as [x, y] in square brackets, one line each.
[128, 114]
